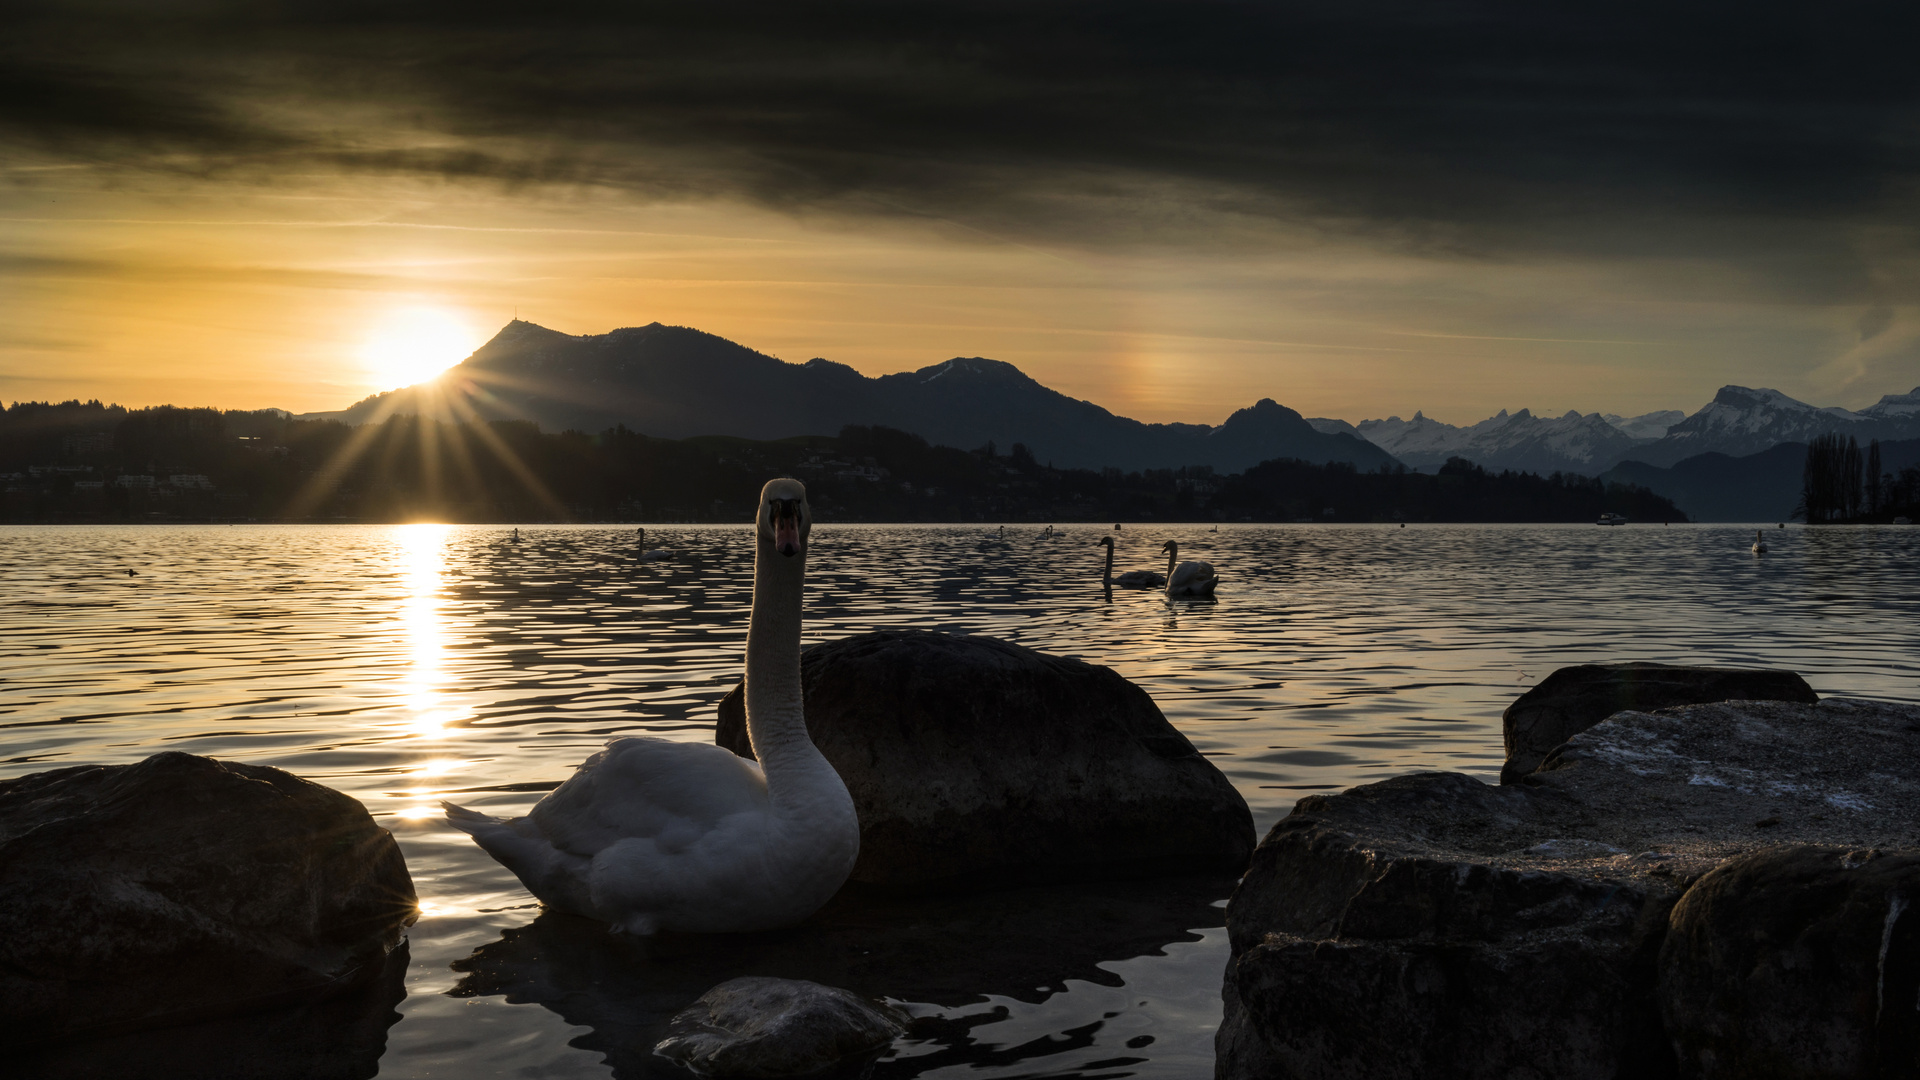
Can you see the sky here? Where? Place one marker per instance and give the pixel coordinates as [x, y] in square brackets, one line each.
[1169, 208]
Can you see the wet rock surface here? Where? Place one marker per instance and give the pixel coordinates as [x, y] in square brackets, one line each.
[1573, 699]
[978, 763]
[182, 889]
[765, 1027]
[1434, 926]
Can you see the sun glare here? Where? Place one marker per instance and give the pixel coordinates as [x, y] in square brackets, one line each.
[413, 344]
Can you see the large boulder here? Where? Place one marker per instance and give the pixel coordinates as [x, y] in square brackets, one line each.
[182, 889]
[1798, 961]
[1573, 699]
[1435, 926]
[761, 1027]
[978, 763]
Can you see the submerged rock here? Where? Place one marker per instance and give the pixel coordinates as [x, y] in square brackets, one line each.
[182, 889]
[980, 763]
[1434, 926]
[762, 1027]
[1573, 699]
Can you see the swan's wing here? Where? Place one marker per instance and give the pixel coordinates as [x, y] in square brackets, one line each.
[649, 789]
[1189, 575]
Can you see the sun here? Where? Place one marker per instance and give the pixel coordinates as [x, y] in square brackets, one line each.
[413, 344]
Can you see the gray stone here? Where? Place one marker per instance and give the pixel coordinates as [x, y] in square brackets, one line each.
[761, 1027]
[1434, 926]
[182, 889]
[1799, 961]
[1573, 699]
[977, 763]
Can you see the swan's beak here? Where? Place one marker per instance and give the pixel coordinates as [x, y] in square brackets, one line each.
[786, 527]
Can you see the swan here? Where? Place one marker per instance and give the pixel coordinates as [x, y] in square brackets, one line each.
[1132, 579]
[1759, 543]
[657, 554]
[653, 835]
[1188, 578]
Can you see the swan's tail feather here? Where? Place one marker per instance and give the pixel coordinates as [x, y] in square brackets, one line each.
[468, 821]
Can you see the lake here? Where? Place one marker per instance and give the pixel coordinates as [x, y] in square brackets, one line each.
[406, 664]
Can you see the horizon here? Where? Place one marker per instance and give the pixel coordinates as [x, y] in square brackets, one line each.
[1169, 211]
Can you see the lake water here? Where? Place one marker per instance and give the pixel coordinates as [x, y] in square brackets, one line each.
[405, 664]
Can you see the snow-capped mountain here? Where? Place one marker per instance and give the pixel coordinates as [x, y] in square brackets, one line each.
[1647, 425]
[1740, 421]
[1522, 441]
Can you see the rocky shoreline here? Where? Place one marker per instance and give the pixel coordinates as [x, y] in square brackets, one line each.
[1704, 890]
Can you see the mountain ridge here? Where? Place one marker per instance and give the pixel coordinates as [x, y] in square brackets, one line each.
[679, 382]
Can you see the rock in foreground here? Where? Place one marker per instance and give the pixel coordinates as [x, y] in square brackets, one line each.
[761, 1027]
[1573, 699]
[1433, 926]
[182, 889]
[978, 763]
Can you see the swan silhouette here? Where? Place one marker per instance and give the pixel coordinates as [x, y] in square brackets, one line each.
[1132, 579]
[1190, 578]
[657, 554]
[1759, 543]
[652, 835]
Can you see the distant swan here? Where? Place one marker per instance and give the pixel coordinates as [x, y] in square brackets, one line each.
[1759, 543]
[657, 554]
[1188, 578]
[1132, 579]
[652, 835]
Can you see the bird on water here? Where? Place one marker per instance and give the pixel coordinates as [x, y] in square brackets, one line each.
[1191, 578]
[651, 835]
[1132, 579]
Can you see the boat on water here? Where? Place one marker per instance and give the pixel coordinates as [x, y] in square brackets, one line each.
[1612, 519]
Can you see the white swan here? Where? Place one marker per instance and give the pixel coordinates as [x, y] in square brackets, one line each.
[657, 554]
[1132, 579]
[654, 835]
[1759, 543]
[1188, 578]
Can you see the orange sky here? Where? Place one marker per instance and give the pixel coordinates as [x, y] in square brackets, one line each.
[247, 294]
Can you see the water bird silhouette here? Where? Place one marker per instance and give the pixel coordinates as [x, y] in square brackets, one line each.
[1191, 578]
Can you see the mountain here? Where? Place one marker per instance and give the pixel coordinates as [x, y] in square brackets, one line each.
[1741, 421]
[1520, 441]
[1647, 425]
[676, 382]
[1754, 487]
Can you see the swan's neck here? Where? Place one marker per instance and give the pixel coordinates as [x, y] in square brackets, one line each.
[776, 719]
[1172, 554]
[1109, 548]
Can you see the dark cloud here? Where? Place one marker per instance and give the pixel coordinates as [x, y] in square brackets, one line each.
[1614, 129]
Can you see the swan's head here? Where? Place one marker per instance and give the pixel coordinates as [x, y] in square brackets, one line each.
[1105, 541]
[1171, 547]
[785, 518]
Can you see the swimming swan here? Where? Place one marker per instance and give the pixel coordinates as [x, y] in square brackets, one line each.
[654, 835]
[1759, 543]
[1188, 578]
[1132, 579]
[657, 554]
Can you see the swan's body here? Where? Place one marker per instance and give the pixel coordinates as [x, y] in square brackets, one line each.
[651, 834]
[1132, 579]
[657, 554]
[1759, 543]
[1191, 578]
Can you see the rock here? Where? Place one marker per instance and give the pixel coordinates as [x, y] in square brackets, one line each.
[182, 889]
[1798, 961]
[761, 1027]
[1517, 930]
[977, 763]
[1573, 699]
